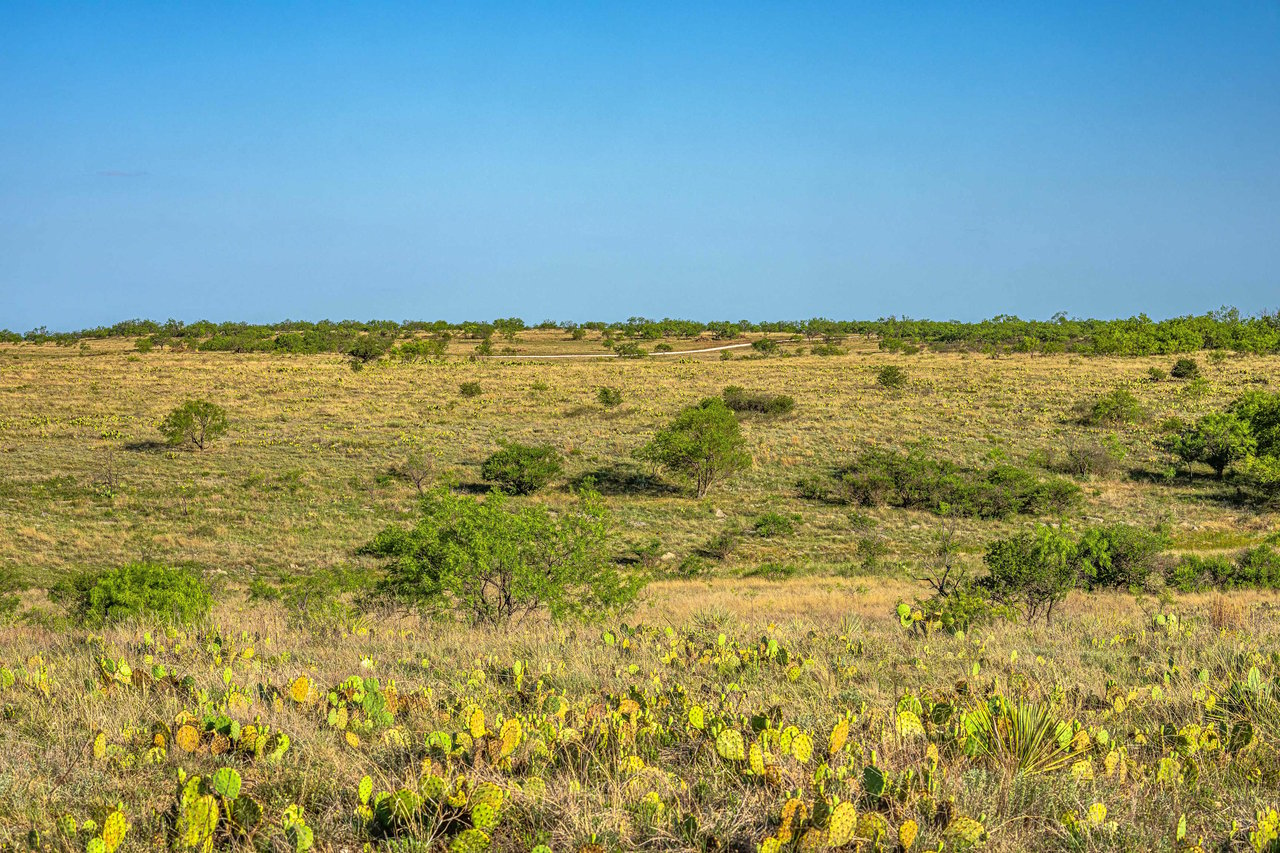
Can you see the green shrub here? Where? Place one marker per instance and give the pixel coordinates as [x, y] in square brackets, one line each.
[1217, 439]
[1261, 411]
[772, 571]
[630, 350]
[493, 564]
[704, 443]
[758, 402]
[1114, 408]
[891, 376]
[1156, 374]
[827, 349]
[263, 590]
[1119, 556]
[1257, 568]
[144, 345]
[772, 524]
[197, 423]
[1185, 368]
[1194, 573]
[368, 347]
[1033, 571]
[765, 346]
[470, 389]
[913, 480]
[522, 469]
[145, 590]
[609, 397]
[663, 348]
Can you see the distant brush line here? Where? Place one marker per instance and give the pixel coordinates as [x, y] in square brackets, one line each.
[616, 355]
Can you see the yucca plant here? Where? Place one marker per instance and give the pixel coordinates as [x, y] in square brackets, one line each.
[1025, 738]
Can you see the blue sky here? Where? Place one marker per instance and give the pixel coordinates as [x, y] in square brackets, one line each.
[259, 161]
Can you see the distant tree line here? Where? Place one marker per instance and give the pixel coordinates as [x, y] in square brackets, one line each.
[1225, 329]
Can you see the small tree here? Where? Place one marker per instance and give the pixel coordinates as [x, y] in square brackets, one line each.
[493, 564]
[418, 469]
[704, 443]
[196, 422]
[1217, 440]
[522, 469]
[1034, 571]
[765, 346]
[1185, 368]
[609, 397]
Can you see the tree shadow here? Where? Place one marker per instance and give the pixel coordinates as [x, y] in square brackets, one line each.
[623, 479]
[147, 446]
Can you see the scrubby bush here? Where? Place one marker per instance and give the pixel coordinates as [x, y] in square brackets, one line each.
[1086, 458]
[765, 346]
[1185, 368]
[609, 397]
[470, 389]
[704, 444]
[1258, 568]
[197, 423]
[1119, 556]
[913, 480]
[367, 348]
[423, 348]
[758, 402]
[138, 590]
[1193, 572]
[630, 350]
[522, 469]
[772, 571]
[891, 376]
[772, 524]
[1156, 374]
[1114, 408]
[417, 469]
[1254, 568]
[721, 545]
[492, 564]
[142, 345]
[827, 349]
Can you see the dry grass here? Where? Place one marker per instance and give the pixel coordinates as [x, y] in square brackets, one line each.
[303, 480]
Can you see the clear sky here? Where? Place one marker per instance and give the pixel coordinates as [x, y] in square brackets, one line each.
[257, 161]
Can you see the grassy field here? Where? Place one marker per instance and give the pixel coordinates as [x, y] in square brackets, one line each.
[680, 725]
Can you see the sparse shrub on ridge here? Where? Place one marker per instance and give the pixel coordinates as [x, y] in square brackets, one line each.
[891, 376]
[196, 423]
[1185, 368]
[757, 402]
[522, 469]
[1114, 408]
